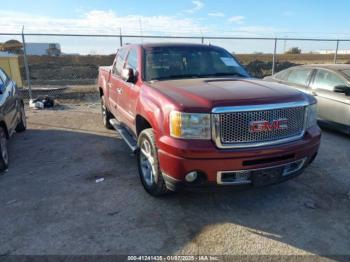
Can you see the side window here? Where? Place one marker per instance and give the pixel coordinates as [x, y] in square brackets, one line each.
[347, 73]
[3, 76]
[299, 76]
[120, 61]
[327, 80]
[282, 75]
[132, 59]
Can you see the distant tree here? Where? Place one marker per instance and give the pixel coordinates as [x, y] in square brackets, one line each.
[12, 46]
[294, 50]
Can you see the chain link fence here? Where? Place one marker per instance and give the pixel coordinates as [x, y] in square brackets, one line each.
[69, 66]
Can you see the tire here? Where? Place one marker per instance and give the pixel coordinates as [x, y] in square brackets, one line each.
[22, 125]
[106, 115]
[4, 159]
[148, 164]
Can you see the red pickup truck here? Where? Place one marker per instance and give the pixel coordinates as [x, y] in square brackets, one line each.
[195, 118]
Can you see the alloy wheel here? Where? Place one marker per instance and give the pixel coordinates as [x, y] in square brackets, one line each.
[147, 163]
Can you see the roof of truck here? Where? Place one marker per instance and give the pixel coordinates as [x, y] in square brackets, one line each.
[169, 44]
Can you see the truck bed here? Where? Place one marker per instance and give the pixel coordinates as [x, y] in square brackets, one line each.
[105, 68]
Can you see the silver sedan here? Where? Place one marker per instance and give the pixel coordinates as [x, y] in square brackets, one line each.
[330, 84]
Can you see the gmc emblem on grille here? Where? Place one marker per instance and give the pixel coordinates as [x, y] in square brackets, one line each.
[266, 126]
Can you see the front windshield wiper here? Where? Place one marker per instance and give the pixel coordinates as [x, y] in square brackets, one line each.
[196, 76]
[225, 74]
[176, 77]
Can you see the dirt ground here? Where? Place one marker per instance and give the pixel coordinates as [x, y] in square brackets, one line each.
[50, 202]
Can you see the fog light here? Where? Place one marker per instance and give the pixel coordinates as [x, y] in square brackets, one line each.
[191, 177]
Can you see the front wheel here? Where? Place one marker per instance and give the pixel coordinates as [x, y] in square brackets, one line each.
[4, 159]
[148, 165]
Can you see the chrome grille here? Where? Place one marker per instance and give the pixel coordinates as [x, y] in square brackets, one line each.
[233, 127]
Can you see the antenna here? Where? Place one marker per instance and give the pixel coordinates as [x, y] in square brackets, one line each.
[141, 32]
[202, 38]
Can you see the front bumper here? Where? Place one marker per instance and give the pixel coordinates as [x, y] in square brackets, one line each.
[179, 157]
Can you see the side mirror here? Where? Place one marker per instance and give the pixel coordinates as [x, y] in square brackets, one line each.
[342, 89]
[128, 75]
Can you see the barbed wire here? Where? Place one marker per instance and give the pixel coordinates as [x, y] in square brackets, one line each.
[197, 32]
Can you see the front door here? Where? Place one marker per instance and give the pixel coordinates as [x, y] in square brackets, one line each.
[332, 106]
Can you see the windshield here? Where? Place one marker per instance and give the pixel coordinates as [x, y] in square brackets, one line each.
[190, 62]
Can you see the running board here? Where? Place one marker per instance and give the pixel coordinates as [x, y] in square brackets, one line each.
[129, 140]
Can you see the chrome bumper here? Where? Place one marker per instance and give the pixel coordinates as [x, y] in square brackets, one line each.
[241, 177]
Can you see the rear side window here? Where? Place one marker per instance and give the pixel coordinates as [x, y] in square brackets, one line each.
[299, 76]
[327, 80]
[132, 59]
[120, 61]
[282, 75]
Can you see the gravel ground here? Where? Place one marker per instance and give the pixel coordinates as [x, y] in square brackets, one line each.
[50, 202]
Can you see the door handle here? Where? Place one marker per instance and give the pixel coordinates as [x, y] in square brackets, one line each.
[119, 90]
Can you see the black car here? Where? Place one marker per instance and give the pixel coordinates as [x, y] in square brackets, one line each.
[12, 115]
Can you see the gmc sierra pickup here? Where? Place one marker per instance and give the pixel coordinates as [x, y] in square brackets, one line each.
[195, 118]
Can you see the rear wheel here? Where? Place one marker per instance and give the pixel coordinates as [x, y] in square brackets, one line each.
[4, 159]
[106, 115]
[148, 165]
[22, 125]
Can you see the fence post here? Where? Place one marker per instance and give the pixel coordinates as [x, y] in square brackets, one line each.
[26, 64]
[120, 37]
[202, 40]
[274, 57]
[336, 52]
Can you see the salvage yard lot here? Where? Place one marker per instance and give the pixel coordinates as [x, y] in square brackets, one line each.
[50, 202]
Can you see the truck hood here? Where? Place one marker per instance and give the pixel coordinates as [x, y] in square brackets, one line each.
[201, 95]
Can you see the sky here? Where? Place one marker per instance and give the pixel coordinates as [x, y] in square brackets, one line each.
[249, 18]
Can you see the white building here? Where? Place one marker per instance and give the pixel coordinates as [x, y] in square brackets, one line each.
[50, 49]
[332, 51]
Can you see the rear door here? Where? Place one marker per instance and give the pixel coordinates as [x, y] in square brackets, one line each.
[115, 81]
[129, 92]
[332, 106]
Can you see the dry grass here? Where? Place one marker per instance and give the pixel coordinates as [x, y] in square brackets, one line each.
[294, 58]
[84, 69]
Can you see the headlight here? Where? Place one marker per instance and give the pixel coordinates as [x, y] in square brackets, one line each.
[190, 125]
[311, 116]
